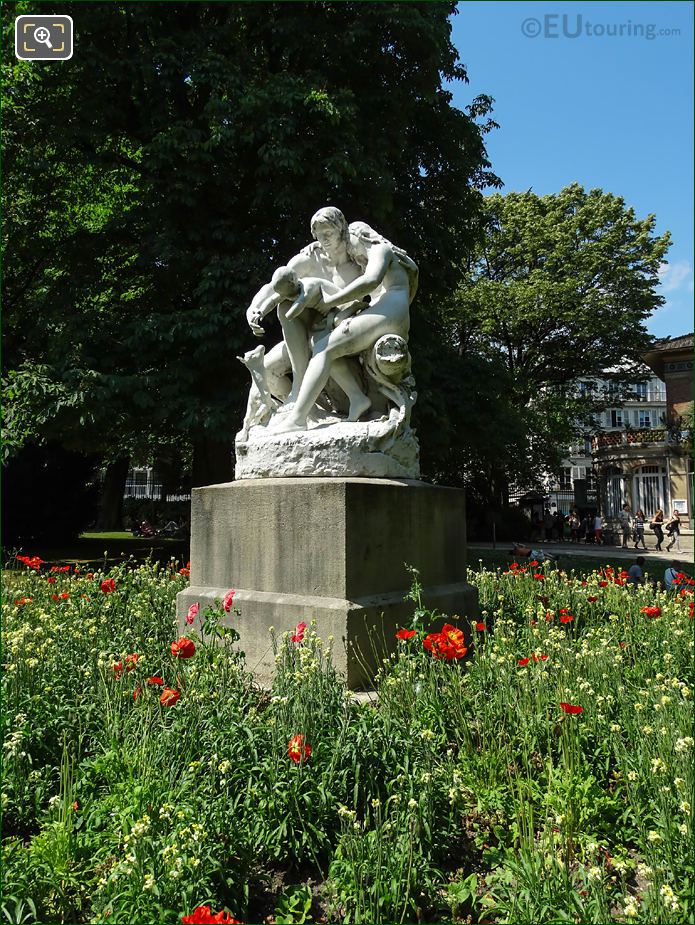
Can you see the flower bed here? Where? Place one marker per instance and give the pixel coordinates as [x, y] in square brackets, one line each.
[533, 765]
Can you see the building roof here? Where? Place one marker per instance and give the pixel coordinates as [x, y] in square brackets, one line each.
[682, 342]
[665, 346]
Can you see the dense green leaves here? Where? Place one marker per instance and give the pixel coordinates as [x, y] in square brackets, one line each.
[150, 192]
[559, 290]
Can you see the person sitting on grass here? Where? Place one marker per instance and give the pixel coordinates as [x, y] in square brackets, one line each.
[520, 551]
[670, 575]
[635, 574]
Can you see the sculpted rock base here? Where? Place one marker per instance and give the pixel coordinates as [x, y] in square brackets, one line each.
[330, 550]
[374, 449]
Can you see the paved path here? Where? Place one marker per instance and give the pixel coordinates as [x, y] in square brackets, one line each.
[596, 552]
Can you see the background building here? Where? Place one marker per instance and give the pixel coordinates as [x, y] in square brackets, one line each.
[645, 459]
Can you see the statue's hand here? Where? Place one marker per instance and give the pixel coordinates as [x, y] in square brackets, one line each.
[254, 319]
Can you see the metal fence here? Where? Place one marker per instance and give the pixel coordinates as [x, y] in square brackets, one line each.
[144, 485]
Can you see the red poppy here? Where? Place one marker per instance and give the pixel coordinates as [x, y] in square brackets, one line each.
[137, 692]
[447, 644]
[480, 627]
[539, 658]
[186, 570]
[622, 645]
[169, 697]
[298, 748]
[54, 597]
[651, 612]
[64, 596]
[533, 564]
[592, 599]
[50, 580]
[131, 661]
[117, 669]
[203, 916]
[539, 576]
[89, 575]
[566, 618]
[549, 617]
[60, 568]
[406, 634]
[299, 631]
[572, 709]
[228, 600]
[155, 680]
[603, 584]
[183, 648]
[523, 662]
[20, 602]
[108, 585]
[31, 561]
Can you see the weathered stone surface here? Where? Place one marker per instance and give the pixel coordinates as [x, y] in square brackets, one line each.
[373, 449]
[333, 550]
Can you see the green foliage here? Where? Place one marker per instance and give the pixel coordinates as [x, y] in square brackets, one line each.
[558, 290]
[185, 169]
[294, 906]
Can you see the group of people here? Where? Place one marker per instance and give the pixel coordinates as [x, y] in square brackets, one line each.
[556, 527]
[632, 528]
[588, 528]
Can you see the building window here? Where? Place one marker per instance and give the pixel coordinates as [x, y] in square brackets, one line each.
[566, 478]
[617, 417]
[641, 390]
[645, 417]
[587, 447]
[650, 489]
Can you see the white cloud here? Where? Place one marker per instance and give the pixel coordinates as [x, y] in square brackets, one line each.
[678, 275]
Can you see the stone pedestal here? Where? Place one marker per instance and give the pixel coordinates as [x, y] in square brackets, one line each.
[332, 550]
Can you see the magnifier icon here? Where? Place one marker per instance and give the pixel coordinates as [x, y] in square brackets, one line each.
[43, 35]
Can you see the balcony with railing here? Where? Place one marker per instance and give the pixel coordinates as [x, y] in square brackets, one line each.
[604, 444]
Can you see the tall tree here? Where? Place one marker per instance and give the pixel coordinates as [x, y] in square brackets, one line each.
[559, 290]
[151, 191]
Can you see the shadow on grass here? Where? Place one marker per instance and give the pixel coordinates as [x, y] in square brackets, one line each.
[98, 549]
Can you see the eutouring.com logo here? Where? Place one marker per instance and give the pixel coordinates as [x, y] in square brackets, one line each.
[575, 26]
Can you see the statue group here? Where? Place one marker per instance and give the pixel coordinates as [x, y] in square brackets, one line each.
[334, 396]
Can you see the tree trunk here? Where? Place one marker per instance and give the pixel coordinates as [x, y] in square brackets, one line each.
[213, 462]
[111, 501]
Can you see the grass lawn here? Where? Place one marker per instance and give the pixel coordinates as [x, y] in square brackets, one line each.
[109, 548]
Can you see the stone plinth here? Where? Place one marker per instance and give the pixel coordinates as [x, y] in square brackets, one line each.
[332, 550]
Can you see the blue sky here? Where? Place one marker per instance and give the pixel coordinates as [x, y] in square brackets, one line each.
[607, 111]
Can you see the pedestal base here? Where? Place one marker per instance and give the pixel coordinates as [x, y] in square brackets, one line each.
[330, 550]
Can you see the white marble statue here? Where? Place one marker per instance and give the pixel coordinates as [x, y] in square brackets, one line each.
[334, 396]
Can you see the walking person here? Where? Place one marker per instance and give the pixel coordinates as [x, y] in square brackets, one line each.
[657, 526]
[574, 526]
[673, 528]
[639, 528]
[598, 529]
[625, 524]
[548, 524]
